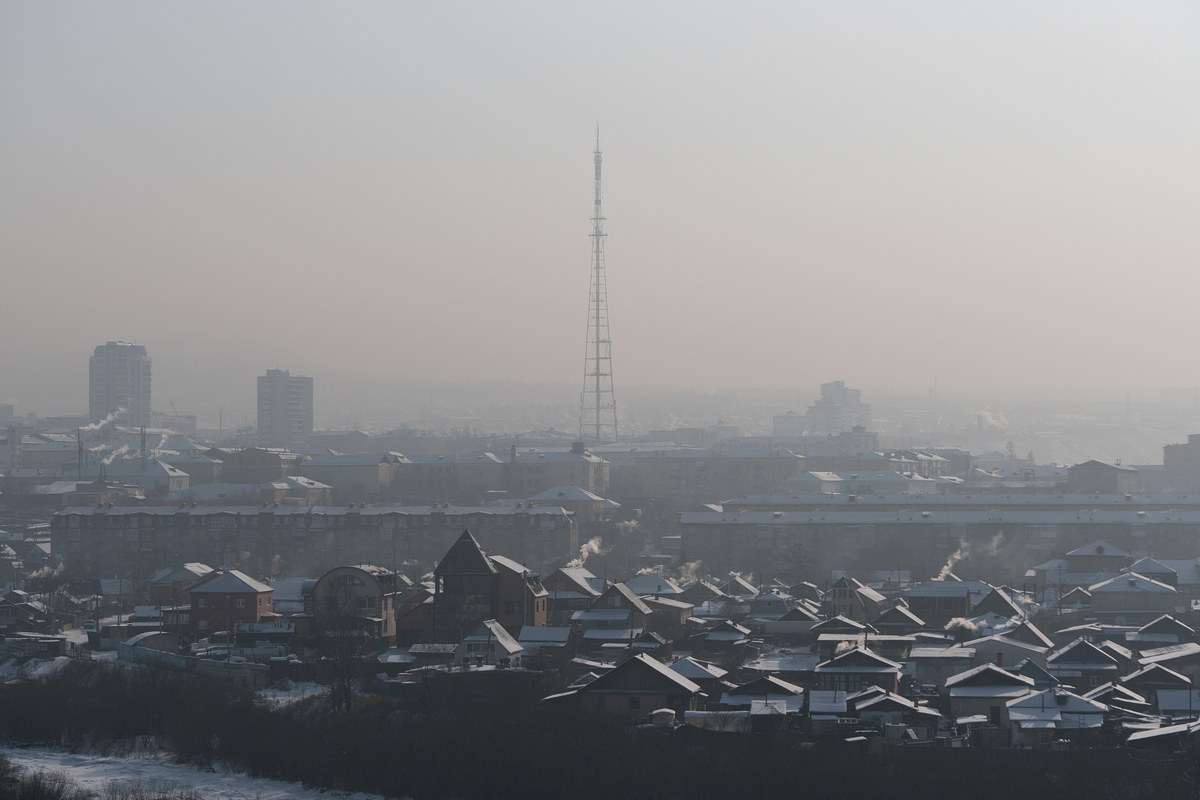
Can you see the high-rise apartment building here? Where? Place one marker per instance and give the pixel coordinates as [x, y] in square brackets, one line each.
[285, 408]
[119, 378]
[838, 409]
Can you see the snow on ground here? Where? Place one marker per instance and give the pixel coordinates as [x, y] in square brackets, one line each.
[92, 772]
[26, 669]
[287, 692]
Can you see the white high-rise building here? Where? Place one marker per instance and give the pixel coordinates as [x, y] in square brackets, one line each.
[119, 378]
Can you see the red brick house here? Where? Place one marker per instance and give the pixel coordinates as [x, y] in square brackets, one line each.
[224, 598]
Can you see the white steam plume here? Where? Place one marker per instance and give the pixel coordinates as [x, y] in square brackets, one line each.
[120, 451]
[95, 426]
[958, 555]
[690, 572]
[590, 548]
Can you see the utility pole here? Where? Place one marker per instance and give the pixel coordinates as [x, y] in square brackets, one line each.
[597, 403]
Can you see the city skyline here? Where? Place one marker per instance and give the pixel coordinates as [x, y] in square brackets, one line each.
[932, 189]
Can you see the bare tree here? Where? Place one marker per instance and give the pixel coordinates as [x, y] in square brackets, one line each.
[342, 641]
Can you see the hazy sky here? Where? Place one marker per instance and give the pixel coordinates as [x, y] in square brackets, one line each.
[1000, 194]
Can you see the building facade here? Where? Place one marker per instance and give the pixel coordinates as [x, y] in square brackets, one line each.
[285, 409]
[119, 381]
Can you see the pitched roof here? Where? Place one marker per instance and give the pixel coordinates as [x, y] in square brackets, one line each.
[623, 590]
[693, 669]
[465, 557]
[1098, 548]
[1081, 651]
[1149, 566]
[898, 615]
[642, 662]
[859, 657]
[988, 675]
[1167, 624]
[839, 623]
[1131, 582]
[653, 584]
[1156, 675]
[767, 684]
[491, 630]
[1028, 632]
[229, 582]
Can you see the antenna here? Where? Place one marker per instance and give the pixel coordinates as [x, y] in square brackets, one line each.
[598, 405]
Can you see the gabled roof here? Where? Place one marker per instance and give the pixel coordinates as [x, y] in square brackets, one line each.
[701, 591]
[1076, 595]
[1148, 566]
[988, 675]
[1157, 676]
[1028, 632]
[799, 614]
[465, 557]
[653, 584]
[1081, 651]
[1098, 548]
[767, 684]
[1166, 624]
[839, 623]
[739, 586]
[1031, 669]
[491, 630]
[898, 615]
[859, 657]
[228, 582]
[1046, 707]
[695, 670]
[566, 493]
[1131, 582]
[588, 583]
[642, 663]
[619, 588]
[1115, 693]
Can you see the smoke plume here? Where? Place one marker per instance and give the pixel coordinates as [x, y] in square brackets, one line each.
[958, 555]
[592, 547]
[120, 451]
[95, 426]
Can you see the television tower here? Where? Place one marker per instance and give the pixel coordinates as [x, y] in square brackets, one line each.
[597, 403]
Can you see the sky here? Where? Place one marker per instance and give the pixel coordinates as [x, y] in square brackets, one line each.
[1001, 196]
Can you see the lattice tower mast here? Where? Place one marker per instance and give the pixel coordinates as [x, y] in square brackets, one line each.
[597, 403]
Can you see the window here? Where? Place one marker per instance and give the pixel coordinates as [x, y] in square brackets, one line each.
[202, 603]
[1044, 738]
[635, 703]
[1095, 681]
[202, 624]
[240, 602]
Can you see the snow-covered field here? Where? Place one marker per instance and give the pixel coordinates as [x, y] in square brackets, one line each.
[92, 772]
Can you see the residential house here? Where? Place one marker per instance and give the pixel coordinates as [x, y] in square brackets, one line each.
[570, 589]
[638, 686]
[1082, 665]
[223, 598]
[617, 615]
[1039, 719]
[358, 599]
[490, 643]
[985, 690]
[856, 669]
[1131, 599]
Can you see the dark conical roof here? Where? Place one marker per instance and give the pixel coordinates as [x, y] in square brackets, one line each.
[465, 557]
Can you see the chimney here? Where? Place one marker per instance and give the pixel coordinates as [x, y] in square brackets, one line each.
[512, 454]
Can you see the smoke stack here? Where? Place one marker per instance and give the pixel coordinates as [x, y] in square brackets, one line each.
[512, 454]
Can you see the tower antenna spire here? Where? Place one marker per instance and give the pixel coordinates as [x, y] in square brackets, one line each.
[597, 403]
